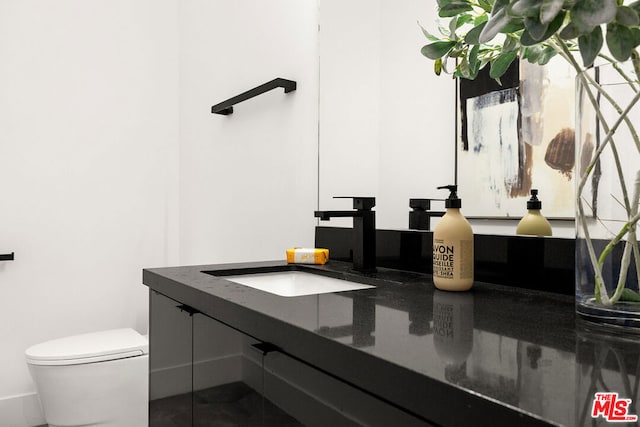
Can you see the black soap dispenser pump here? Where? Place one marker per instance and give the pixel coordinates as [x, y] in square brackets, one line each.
[453, 259]
[534, 223]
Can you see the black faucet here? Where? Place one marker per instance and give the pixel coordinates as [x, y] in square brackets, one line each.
[364, 231]
[420, 216]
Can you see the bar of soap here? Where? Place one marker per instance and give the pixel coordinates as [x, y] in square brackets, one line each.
[307, 256]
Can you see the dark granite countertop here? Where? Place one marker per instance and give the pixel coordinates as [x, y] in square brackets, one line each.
[496, 355]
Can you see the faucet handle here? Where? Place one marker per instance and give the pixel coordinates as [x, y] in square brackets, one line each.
[422, 204]
[360, 203]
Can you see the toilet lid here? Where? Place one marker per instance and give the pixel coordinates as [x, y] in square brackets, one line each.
[89, 348]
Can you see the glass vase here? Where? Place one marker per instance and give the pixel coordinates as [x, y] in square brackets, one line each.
[607, 169]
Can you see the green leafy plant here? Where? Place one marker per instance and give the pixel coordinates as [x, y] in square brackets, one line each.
[493, 33]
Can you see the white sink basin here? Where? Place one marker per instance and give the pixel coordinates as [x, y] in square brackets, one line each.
[295, 283]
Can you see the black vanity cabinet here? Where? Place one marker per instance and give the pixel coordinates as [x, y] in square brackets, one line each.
[205, 373]
[170, 360]
[318, 399]
[199, 375]
[228, 379]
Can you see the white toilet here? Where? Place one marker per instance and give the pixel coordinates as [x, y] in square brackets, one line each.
[99, 378]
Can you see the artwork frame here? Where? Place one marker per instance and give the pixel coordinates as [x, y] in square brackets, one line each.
[515, 136]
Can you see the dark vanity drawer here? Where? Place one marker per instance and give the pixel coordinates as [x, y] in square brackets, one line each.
[318, 399]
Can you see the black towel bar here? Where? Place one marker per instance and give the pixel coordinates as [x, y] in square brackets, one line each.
[226, 107]
[7, 257]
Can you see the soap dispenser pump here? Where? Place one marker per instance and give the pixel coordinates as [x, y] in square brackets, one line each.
[453, 247]
[533, 223]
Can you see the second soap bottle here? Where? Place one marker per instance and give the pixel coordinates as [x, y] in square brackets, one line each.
[453, 247]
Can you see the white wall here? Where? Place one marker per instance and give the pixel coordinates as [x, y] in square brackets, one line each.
[95, 98]
[88, 172]
[349, 115]
[417, 151]
[248, 181]
[386, 120]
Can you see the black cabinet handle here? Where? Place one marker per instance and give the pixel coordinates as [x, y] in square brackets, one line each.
[265, 347]
[187, 309]
[7, 257]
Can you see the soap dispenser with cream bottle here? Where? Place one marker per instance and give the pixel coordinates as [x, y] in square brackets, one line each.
[533, 223]
[453, 247]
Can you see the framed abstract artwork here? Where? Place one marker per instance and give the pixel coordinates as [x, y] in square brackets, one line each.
[515, 136]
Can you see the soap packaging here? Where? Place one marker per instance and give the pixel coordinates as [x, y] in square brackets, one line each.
[307, 256]
[453, 259]
[534, 223]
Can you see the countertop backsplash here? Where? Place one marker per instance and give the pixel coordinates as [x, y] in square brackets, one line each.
[540, 263]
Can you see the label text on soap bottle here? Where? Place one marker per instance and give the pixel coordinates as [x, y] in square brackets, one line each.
[443, 259]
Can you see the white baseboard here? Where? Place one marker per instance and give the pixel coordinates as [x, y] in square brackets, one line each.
[21, 411]
[176, 380]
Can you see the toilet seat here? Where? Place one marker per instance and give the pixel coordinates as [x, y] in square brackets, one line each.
[89, 348]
